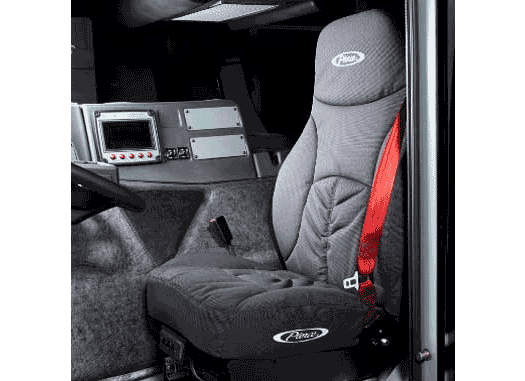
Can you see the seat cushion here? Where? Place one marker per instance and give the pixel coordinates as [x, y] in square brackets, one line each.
[235, 308]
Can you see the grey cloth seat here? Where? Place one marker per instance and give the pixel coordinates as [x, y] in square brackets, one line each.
[230, 307]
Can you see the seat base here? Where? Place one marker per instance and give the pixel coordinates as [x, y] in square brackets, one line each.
[370, 358]
[354, 363]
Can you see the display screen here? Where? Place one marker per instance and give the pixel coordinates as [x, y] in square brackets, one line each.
[133, 134]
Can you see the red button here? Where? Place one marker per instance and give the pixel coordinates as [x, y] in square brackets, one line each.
[149, 154]
[131, 156]
[141, 155]
[112, 156]
[122, 156]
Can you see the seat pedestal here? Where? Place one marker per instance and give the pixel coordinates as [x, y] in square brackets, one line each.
[360, 362]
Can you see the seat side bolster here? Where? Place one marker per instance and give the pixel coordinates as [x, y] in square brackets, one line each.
[291, 189]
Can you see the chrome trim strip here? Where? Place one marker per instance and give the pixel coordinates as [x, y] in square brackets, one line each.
[422, 130]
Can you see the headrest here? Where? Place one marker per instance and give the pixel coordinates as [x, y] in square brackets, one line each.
[360, 59]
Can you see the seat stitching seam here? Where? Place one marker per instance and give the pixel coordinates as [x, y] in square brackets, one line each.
[343, 177]
[359, 104]
[329, 223]
[309, 189]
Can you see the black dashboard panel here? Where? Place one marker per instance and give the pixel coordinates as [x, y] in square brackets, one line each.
[224, 152]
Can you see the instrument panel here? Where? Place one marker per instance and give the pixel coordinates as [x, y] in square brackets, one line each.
[173, 142]
[188, 142]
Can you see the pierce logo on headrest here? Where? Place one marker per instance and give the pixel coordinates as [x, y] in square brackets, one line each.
[300, 335]
[348, 59]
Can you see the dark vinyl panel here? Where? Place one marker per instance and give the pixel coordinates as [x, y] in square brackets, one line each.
[234, 86]
[83, 86]
[83, 83]
[82, 39]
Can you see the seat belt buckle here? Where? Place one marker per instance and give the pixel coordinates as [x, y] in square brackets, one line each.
[352, 282]
[355, 281]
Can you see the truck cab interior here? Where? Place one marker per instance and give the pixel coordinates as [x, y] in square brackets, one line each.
[251, 197]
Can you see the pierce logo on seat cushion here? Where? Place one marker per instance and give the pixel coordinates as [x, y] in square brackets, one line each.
[300, 335]
[348, 59]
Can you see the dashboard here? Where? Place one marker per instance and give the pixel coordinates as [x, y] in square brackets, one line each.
[180, 142]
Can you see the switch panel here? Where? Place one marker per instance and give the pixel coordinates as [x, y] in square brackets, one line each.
[171, 154]
[183, 152]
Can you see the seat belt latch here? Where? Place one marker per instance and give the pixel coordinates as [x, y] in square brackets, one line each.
[356, 280]
[221, 230]
[352, 282]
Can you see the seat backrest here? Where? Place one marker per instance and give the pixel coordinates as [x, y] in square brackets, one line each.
[323, 186]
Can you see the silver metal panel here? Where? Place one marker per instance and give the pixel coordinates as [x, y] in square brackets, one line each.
[218, 146]
[212, 118]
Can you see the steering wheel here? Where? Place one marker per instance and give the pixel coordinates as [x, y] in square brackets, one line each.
[116, 195]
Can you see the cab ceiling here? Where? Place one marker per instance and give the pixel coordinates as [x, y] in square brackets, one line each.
[140, 12]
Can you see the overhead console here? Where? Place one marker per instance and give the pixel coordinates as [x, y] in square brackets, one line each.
[187, 142]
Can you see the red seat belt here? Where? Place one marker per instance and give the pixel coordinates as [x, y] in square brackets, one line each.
[376, 214]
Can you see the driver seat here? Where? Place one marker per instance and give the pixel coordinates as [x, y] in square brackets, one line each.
[231, 308]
